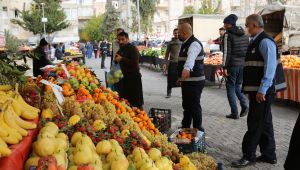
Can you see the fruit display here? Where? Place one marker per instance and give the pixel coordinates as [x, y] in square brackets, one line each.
[290, 61]
[73, 51]
[214, 60]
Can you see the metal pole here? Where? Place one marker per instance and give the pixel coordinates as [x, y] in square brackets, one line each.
[138, 18]
[44, 17]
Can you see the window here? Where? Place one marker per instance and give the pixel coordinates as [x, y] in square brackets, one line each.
[16, 13]
[4, 8]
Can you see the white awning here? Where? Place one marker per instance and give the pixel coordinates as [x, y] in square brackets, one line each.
[65, 39]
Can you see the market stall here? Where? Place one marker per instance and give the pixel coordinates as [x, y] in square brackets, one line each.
[291, 64]
[86, 126]
[213, 67]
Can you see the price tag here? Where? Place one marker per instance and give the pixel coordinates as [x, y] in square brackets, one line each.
[57, 90]
[66, 71]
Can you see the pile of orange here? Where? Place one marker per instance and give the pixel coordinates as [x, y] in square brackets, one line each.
[184, 135]
[144, 122]
[51, 80]
[67, 90]
[290, 61]
[83, 93]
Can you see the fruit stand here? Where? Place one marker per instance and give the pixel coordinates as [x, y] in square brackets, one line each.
[212, 67]
[291, 64]
[83, 126]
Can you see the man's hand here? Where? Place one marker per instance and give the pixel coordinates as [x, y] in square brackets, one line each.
[225, 73]
[118, 58]
[185, 74]
[260, 97]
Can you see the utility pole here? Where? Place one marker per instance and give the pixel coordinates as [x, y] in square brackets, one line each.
[44, 20]
[138, 19]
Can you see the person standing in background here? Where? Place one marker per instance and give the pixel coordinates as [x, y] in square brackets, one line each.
[219, 40]
[83, 50]
[52, 53]
[171, 59]
[263, 77]
[191, 75]
[104, 48]
[58, 52]
[89, 50]
[234, 53]
[41, 59]
[96, 48]
[128, 58]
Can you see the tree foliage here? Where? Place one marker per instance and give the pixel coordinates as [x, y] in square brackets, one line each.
[207, 7]
[30, 20]
[91, 31]
[111, 21]
[147, 10]
[12, 42]
[189, 10]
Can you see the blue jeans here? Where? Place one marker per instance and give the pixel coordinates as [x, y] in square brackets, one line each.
[233, 87]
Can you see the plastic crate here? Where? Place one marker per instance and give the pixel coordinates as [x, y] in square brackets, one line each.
[197, 144]
[161, 118]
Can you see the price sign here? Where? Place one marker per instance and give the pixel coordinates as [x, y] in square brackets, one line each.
[57, 90]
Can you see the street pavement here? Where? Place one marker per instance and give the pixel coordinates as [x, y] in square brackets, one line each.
[223, 136]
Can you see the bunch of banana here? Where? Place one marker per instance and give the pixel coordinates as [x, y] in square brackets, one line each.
[14, 112]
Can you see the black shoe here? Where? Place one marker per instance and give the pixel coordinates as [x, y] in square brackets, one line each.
[244, 112]
[168, 96]
[242, 163]
[231, 116]
[266, 160]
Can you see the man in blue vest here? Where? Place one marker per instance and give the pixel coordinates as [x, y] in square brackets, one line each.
[234, 52]
[191, 76]
[263, 76]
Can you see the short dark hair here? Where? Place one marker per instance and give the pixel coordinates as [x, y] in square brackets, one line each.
[175, 29]
[222, 29]
[119, 29]
[123, 34]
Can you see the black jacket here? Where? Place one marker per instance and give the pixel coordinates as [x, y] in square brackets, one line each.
[235, 47]
[40, 61]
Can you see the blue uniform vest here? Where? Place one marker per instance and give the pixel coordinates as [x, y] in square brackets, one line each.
[254, 68]
[197, 73]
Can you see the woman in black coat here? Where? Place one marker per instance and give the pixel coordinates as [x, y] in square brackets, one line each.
[41, 59]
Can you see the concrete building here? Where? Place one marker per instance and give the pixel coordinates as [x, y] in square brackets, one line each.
[9, 10]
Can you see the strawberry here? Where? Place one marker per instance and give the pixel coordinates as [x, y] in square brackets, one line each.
[156, 144]
[147, 147]
[83, 129]
[135, 143]
[120, 140]
[133, 135]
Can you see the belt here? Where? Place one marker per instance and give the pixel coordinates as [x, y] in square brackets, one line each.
[197, 59]
[193, 79]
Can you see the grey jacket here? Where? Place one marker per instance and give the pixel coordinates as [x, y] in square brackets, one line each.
[173, 49]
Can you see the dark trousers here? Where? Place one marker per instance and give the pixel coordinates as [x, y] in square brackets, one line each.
[172, 76]
[293, 157]
[103, 56]
[192, 111]
[95, 52]
[260, 129]
[233, 88]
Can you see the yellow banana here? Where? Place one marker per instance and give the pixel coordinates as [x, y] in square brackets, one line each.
[21, 101]
[5, 87]
[10, 139]
[24, 124]
[16, 107]
[4, 150]
[9, 119]
[12, 133]
[3, 132]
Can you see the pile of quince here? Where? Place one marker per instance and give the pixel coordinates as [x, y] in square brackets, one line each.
[83, 153]
[112, 155]
[49, 143]
[153, 160]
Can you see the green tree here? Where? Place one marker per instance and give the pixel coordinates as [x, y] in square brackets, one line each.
[111, 22]
[208, 8]
[189, 10]
[92, 29]
[11, 42]
[147, 10]
[30, 20]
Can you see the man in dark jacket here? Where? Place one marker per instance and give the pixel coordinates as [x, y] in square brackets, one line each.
[41, 59]
[234, 53]
[131, 84]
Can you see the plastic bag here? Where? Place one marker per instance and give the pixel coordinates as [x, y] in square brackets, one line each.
[115, 74]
